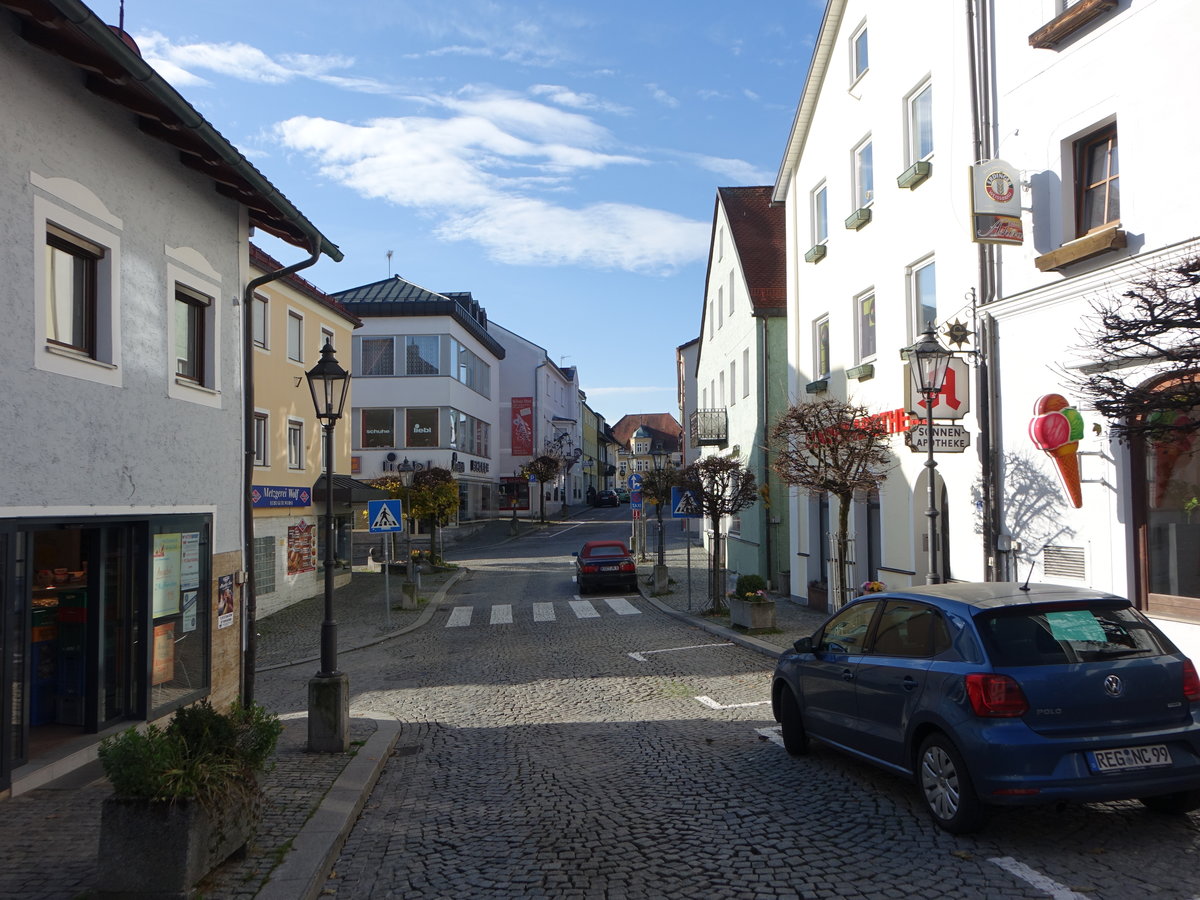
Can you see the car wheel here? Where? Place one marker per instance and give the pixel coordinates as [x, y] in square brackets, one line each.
[1175, 804]
[795, 738]
[946, 786]
[582, 587]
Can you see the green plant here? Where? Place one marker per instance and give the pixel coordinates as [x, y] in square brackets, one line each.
[201, 754]
[750, 584]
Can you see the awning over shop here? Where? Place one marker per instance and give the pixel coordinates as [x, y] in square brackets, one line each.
[347, 490]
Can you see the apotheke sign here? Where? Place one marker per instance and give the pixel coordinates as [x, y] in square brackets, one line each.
[946, 439]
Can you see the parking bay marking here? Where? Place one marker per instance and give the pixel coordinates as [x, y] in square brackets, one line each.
[713, 704]
[1037, 879]
[641, 655]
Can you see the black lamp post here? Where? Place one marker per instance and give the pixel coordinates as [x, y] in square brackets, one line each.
[659, 456]
[928, 361]
[407, 470]
[329, 690]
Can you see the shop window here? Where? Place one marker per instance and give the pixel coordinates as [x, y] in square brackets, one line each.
[378, 428]
[181, 604]
[264, 565]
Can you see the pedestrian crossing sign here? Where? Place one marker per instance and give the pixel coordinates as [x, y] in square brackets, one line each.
[385, 515]
[685, 505]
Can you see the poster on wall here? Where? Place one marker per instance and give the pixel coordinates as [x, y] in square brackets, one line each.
[189, 610]
[522, 426]
[165, 577]
[301, 549]
[189, 561]
[163, 668]
[224, 601]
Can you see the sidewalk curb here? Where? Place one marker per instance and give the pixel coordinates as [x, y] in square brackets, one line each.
[303, 872]
[744, 640]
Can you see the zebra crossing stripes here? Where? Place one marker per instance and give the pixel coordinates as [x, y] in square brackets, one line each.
[503, 613]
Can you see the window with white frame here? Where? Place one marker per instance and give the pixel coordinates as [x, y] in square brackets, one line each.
[821, 348]
[864, 176]
[295, 336]
[76, 282]
[820, 214]
[378, 355]
[295, 444]
[746, 372]
[732, 382]
[259, 320]
[859, 62]
[262, 434]
[923, 296]
[865, 311]
[920, 122]
[192, 335]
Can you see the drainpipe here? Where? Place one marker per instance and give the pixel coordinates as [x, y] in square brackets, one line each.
[249, 653]
[765, 445]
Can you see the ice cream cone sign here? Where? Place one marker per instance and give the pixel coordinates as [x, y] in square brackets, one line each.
[1056, 427]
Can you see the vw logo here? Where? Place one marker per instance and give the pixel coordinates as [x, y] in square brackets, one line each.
[1113, 686]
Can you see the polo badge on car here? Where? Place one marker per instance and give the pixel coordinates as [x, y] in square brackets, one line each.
[1113, 686]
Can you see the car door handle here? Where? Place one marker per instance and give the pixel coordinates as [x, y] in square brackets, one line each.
[847, 675]
[909, 683]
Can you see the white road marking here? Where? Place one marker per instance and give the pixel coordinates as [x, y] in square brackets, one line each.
[459, 616]
[622, 607]
[543, 612]
[713, 704]
[502, 614]
[774, 734]
[641, 655]
[1037, 879]
[583, 609]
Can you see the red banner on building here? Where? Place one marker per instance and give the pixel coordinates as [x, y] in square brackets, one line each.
[522, 426]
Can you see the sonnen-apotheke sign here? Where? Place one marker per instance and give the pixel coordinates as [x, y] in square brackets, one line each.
[946, 439]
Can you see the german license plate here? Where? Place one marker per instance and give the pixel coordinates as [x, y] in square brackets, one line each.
[610, 568]
[1122, 759]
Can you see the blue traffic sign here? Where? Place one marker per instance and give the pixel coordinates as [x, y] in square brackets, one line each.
[635, 500]
[385, 515]
[635, 482]
[685, 505]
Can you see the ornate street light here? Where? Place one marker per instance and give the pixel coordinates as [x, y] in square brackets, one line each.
[928, 361]
[659, 456]
[407, 471]
[329, 689]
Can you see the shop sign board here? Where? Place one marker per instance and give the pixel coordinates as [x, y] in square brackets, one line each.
[273, 495]
[954, 401]
[946, 439]
[996, 203]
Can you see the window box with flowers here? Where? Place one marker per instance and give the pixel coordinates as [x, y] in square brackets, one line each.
[750, 607]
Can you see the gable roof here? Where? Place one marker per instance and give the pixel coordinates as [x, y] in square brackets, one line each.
[757, 227]
[662, 427]
[113, 68]
[264, 262]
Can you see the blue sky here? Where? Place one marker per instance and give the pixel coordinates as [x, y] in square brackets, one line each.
[558, 159]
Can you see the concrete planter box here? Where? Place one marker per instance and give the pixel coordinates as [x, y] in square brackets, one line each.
[752, 615]
[162, 850]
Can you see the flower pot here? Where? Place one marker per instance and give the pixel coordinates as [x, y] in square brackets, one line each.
[818, 598]
[161, 849]
[752, 615]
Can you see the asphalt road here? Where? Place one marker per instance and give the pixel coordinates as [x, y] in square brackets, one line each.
[557, 746]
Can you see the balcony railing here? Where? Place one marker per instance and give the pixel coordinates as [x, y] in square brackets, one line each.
[709, 427]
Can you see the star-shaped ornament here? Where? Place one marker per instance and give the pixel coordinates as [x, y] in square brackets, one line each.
[957, 333]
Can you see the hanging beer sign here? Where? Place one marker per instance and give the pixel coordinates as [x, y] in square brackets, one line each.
[995, 203]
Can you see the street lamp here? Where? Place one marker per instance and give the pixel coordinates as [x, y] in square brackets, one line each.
[659, 456]
[329, 689]
[928, 361]
[407, 470]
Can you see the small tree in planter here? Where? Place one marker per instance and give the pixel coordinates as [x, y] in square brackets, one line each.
[836, 447]
[435, 497]
[722, 486]
[545, 470]
[185, 797]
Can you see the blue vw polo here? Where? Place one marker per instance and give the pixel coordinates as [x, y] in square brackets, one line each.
[1000, 693]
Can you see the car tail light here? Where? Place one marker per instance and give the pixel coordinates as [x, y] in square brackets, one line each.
[630, 567]
[995, 696]
[1191, 681]
[589, 570]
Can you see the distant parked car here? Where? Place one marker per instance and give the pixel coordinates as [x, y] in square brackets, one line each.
[605, 564]
[607, 498]
[623, 495]
[1000, 694]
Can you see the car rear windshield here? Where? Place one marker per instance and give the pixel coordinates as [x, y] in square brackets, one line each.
[605, 551]
[1070, 633]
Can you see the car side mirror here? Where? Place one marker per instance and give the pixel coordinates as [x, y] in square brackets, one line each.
[804, 645]
[574, 552]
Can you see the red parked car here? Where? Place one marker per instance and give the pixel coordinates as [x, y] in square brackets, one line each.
[605, 564]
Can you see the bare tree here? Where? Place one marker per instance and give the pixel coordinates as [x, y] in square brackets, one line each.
[722, 486]
[836, 447]
[1146, 347]
[545, 470]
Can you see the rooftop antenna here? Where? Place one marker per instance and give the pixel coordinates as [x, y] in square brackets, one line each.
[1032, 560]
[121, 16]
[561, 358]
[389, 254]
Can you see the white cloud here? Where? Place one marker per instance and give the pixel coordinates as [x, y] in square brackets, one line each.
[566, 97]
[662, 96]
[737, 171]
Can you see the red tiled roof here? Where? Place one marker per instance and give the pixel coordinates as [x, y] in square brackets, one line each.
[662, 427]
[265, 263]
[757, 228]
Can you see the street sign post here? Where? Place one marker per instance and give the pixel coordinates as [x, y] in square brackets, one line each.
[635, 482]
[386, 517]
[684, 504]
[946, 439]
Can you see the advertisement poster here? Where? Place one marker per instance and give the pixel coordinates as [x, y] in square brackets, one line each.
[522, 426]
[189, 561]
[422, 427]
[164, 653]
[165, 556]
[996, 203]
[189, 610]
[224, 601]
[301, 549]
